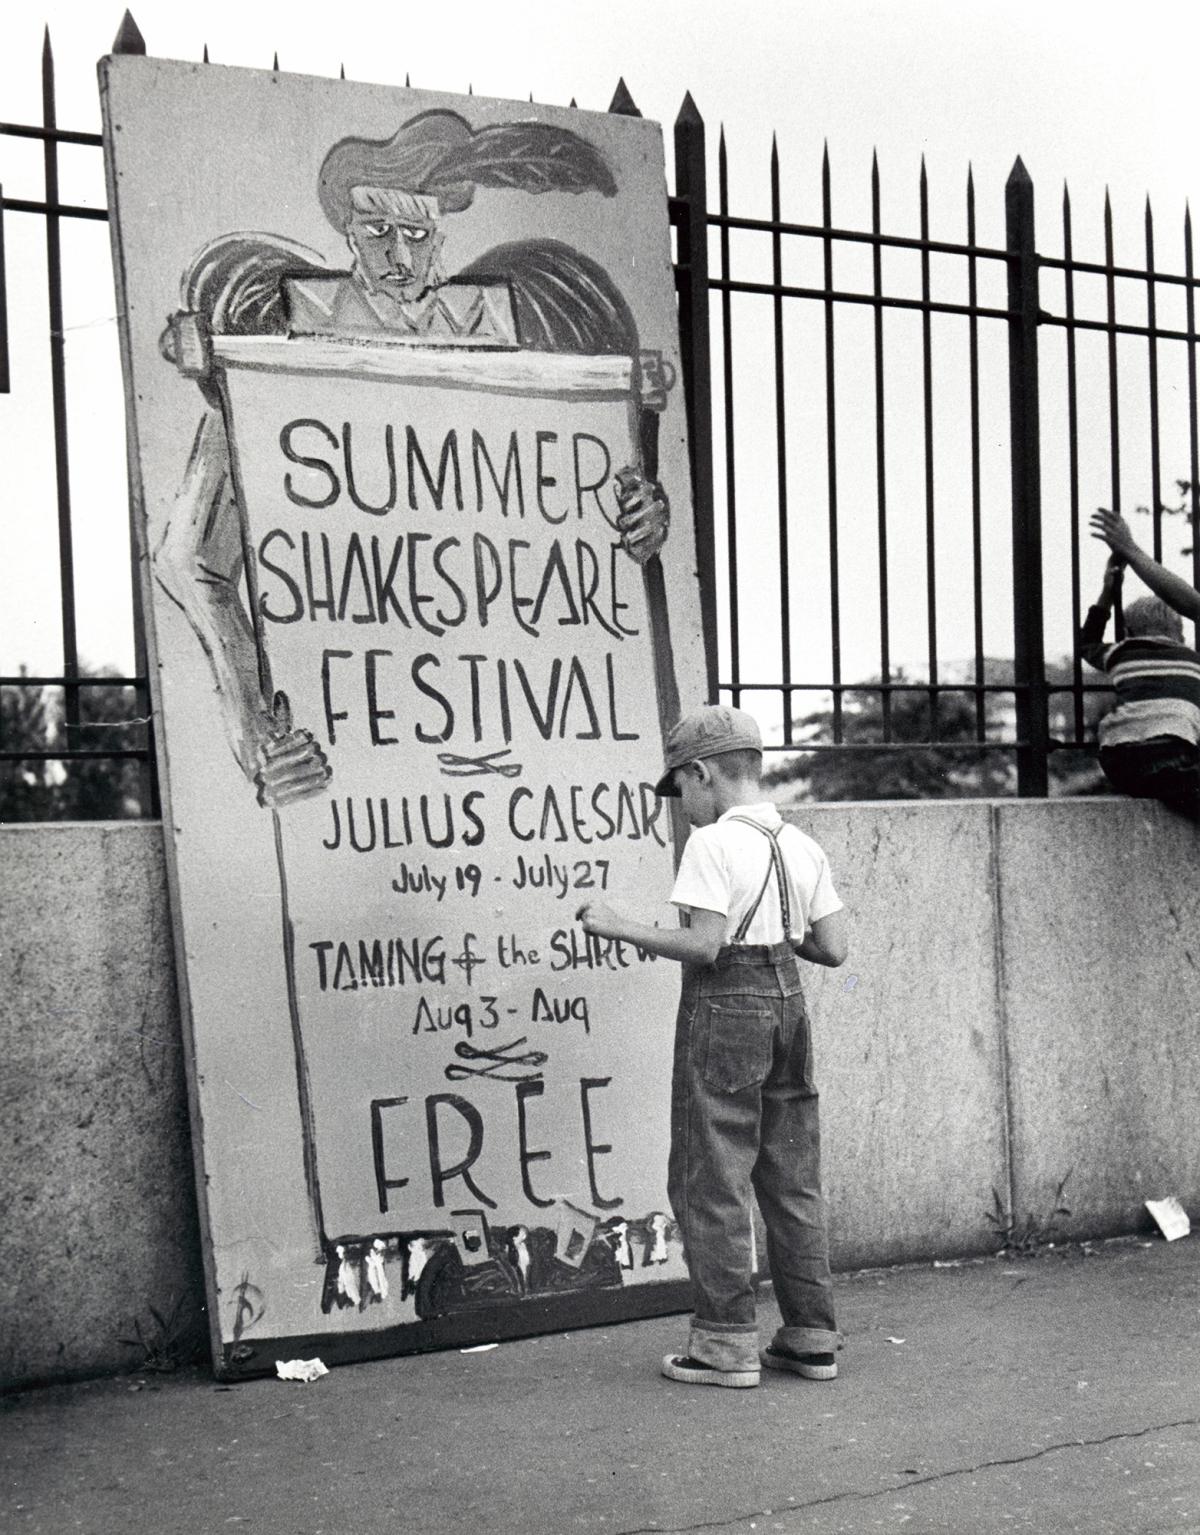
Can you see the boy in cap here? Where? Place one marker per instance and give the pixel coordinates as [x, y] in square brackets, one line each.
[757, 894]
[1149, 743]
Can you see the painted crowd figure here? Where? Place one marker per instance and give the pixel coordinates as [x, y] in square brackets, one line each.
[389, 200]
[509, 1264]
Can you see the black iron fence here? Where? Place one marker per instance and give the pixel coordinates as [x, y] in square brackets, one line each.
[999, 717]
[50, 714]
[848, 459]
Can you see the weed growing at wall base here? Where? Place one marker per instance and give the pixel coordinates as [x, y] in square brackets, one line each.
[1024, 1237]
[169, 1340]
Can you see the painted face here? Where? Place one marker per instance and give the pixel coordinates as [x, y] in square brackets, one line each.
[394, 251]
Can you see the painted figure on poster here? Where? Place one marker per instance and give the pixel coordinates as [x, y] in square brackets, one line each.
[474, 1263]
[389, 199]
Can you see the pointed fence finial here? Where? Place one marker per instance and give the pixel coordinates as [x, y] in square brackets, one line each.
[623, 103]
[341, 71]
[275, 64]
[574, 103]
[129, 39]
[205, 59]
[470, 89]
[1019, 176]
[689, 113]
[407, 82]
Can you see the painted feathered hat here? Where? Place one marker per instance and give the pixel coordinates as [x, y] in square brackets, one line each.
[437, 154]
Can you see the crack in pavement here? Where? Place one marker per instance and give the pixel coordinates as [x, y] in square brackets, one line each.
[906, 1483]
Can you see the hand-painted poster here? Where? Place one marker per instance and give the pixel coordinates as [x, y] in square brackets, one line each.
[411, 489]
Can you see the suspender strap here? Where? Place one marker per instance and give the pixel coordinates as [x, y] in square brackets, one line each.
[775, 865]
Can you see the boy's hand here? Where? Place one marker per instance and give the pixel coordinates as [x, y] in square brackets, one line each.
[598, 920]
[1113, 530]
[1114, 572]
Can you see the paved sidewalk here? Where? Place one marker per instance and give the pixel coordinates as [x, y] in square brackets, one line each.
[1056, 1394]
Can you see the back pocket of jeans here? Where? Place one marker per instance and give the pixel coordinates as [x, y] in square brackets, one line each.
[736, 1036]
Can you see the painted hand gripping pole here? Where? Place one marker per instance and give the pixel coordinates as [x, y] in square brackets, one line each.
[403, 481]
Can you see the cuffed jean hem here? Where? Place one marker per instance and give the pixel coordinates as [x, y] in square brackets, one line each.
[807, 1340]
[725, 1346]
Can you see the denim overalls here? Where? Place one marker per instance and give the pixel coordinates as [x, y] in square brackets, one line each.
[744, 1114]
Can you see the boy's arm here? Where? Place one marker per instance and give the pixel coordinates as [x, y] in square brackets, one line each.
[1091, 636]
[1112, 528]
[826, 942]
[698, 944]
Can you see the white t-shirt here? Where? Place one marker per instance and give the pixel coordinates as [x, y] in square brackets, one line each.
[724, 865]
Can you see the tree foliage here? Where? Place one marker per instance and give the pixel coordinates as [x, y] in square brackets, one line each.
[893, 770]
[945, 759]
[1184, 509]
[104, 787]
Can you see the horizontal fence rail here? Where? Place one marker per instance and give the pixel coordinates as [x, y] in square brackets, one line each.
[986, 719]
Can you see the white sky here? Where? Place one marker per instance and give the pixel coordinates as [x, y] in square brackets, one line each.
[1095, 93]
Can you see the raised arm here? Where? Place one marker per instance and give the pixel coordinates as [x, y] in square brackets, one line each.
[198, 562]
[1091, 636]
[698, 944]
[1179, 594]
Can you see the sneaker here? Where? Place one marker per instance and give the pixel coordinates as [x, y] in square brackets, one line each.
[694, 1372]
[811, 1366]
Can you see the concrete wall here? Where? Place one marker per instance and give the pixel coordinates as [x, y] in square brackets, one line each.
[1100, 933]
[910, 1050]
[1018, 1006]
[98, 1221]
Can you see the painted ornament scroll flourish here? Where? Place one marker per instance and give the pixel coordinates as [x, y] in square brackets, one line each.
[454, 766]
[497, 1058]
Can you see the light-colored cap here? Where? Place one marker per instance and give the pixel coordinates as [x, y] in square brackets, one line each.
[706, 732]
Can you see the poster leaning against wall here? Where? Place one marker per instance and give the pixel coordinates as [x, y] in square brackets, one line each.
[411, 497]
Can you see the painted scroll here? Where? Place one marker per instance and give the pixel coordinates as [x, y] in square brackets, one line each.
[420, 619]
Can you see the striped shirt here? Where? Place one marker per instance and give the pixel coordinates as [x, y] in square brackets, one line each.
[1157, 682]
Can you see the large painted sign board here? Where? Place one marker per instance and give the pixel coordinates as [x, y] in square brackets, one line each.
[396, 364]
